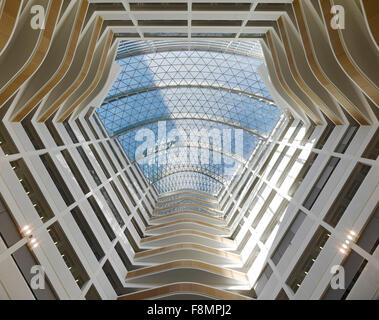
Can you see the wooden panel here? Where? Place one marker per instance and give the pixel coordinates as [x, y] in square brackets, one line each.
[186, 198]
[39, 54]
[300, 80]
[185, 287]
[187, 221]
[288, 103]
[345, 103]
[80, 78]
[187, 211]
[188, 246]
[187, 192]
[344, 58]
[371, 9]
[102, 86]
[69, 56]
[8, 18]
[157, 210]
[187, 264]
[188, 232]
[294, 97]
[94, 83]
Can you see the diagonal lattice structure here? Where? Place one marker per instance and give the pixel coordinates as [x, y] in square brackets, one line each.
[250, 48]
[210, 100]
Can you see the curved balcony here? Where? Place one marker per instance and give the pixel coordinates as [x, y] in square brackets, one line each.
[183, 289]
[187, 236]
[188, 270]
[189, 250]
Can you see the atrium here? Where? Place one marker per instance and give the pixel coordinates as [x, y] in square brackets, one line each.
[189, 150]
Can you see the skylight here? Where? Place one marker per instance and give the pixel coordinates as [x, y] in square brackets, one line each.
[189, 118]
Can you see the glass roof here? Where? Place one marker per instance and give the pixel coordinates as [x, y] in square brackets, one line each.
[188, 102]
[194, 129]
[250, 48]
[189, 119]
[206, 68]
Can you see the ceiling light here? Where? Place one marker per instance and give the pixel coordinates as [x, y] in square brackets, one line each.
[25, 228]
